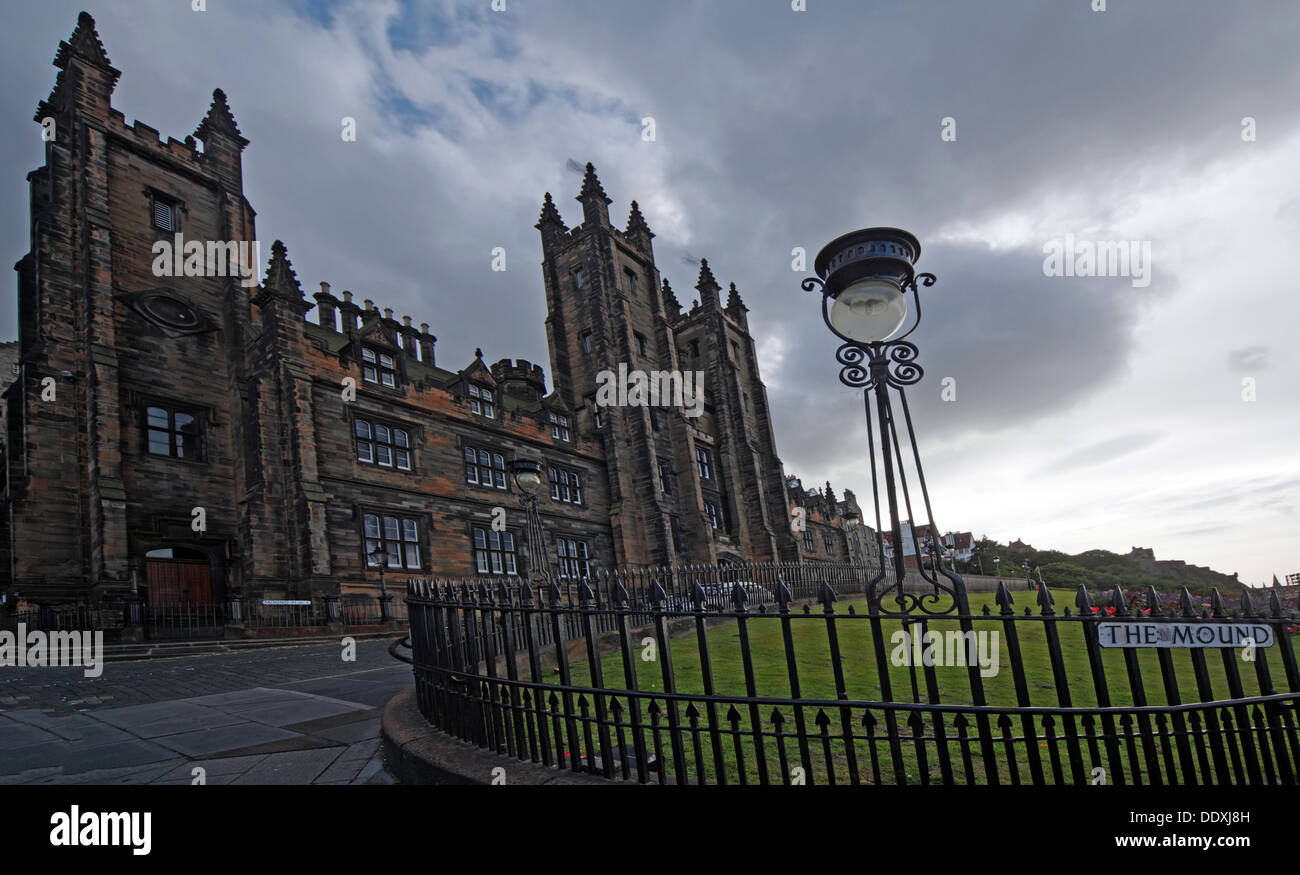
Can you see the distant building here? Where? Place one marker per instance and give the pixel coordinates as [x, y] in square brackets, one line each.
[863, 540]
[1146, 554]
[828, 530]
[959, 546]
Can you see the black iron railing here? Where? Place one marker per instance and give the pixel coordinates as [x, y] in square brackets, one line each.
[635, 684]
[208, 619]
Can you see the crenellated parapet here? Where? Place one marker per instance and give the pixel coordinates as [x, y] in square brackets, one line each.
[342, 315]
[521, 378]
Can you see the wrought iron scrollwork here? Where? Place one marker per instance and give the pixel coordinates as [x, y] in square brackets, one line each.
[854, 373]
[864, 366]
[925, 279]
[906, 371]
[939, 602]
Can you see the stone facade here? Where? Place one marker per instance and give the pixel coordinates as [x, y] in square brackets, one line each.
[200, 434]
[830, 530]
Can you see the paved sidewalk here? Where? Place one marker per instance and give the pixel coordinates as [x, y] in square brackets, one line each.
[319, 729]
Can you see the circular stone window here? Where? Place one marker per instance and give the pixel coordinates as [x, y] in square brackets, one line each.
[170, 311]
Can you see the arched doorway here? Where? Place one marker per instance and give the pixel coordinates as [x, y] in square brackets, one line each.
[178, 576]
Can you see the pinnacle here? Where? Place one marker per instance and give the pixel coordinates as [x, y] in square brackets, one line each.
[549, 213]
[280, 275]
[671, 304]
[706, 276]
[85, 44]
[219, 120]
[591, 187]
[636, 221]
[733, 299]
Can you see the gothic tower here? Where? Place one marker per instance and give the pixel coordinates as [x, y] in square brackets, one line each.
[123, 354]
[688, 482]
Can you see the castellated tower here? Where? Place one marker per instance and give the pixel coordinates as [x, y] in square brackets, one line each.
[91, 369]
[697, 488]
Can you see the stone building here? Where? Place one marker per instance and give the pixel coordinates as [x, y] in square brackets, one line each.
[201, 431]
[827, 529]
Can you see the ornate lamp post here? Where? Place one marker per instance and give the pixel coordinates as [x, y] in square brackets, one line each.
[380, 558]
[527, 475]
[385, 600]
[864, 279]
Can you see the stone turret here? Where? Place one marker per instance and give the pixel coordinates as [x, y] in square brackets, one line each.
[520, 378]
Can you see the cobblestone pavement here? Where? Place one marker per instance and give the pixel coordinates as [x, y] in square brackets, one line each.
[293, 714]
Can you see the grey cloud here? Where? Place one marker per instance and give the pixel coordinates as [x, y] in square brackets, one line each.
[1021, 347]
[1248, 358]
[1102, 451]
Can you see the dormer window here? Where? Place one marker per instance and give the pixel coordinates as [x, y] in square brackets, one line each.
[482, 402]
[378, 367]
[560, 427]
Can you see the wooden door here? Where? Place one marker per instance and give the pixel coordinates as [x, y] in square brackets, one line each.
[179, 581]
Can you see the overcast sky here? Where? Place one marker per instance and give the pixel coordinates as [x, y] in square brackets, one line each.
[1090, 412]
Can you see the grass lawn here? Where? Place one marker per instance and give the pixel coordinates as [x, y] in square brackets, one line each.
[863, 682]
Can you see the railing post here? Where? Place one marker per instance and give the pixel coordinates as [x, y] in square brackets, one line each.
[331, 608]
[232, 615]
[232, 609]
[132, 619]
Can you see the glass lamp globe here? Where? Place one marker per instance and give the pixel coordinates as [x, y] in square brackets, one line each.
[528, 477]
[870, 310]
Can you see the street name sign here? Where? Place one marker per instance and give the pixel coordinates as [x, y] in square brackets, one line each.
[1145, 634]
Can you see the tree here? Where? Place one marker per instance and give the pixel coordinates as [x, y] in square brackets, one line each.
[1064, 575]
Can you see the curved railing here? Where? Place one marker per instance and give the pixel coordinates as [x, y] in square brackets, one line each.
[720, 690]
